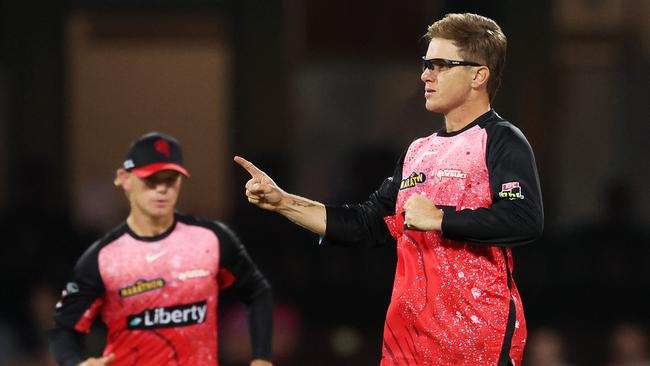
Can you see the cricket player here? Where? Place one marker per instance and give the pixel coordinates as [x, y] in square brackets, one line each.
[154, 280]
[455, 205]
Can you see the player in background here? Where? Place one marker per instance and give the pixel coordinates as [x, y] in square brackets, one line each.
[456, 203]
[154, 280]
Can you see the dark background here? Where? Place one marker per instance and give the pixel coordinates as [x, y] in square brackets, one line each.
[324, 96]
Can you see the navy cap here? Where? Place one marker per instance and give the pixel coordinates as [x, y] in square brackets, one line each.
[152, 153]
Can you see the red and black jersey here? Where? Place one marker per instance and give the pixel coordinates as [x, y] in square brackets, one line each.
[158, 295]
[454, 301]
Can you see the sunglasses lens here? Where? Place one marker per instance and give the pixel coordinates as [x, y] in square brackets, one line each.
[434, 64]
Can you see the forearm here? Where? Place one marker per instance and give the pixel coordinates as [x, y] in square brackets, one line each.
[260, 324]
[504, 224]
[304, 212]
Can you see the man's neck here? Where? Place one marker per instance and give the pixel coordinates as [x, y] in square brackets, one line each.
[147, 226]
[460, 117]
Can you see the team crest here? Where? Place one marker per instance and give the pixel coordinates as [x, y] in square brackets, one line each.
[511, 191]
[162, 146]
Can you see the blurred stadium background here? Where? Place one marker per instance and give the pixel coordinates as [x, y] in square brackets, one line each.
[324, 96]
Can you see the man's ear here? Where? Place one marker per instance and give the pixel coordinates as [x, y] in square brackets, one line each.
[121, 176]
[481, 77]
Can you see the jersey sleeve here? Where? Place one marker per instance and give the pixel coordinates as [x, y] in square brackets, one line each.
[516, 215]
[238, 271]
[363, 224]
[76, 311]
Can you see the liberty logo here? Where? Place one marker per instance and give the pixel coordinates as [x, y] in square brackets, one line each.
[162, 146]
[169, 317]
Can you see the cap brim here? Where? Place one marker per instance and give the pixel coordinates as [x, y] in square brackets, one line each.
[148, 170]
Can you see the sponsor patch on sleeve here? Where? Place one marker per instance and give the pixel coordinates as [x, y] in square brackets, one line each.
[511, 191]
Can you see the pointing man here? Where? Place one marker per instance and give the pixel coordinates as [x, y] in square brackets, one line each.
[456, 203]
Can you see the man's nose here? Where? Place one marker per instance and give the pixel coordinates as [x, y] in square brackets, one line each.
[427, 75]
[161, 186]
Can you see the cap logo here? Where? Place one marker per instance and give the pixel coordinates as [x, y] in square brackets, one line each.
[162, 146]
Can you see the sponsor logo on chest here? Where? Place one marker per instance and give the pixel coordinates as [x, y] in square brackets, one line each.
[152, 257]
[194, 273]
[412, 180]
[169, 317]
[451, 173]
[142, 286]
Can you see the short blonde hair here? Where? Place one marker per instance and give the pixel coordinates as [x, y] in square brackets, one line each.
[478, 38]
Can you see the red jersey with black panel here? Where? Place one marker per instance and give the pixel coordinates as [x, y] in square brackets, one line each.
[158, 296]
[454, 301]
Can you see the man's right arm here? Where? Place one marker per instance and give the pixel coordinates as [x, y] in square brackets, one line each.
[302, 211]
[349, 225]
[363, 224]
[263, 192]
[65, 346]
[76, 311]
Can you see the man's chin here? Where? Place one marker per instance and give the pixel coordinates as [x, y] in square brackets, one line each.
[161, 213]
[432, 107]
[437, 107]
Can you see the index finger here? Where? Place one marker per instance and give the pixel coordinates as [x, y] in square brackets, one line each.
[250, 167]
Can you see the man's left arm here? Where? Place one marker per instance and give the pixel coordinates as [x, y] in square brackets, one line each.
[516, 215]
[239, 271]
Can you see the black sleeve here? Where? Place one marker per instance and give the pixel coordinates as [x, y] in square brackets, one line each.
[363, 224]
[78, 296]
[516, 215]
[252, 288]
[65, 345]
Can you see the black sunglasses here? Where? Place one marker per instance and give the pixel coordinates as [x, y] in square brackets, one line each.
[442, 64]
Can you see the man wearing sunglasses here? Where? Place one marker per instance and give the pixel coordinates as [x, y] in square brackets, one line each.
[456, 204]
[155, 279]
